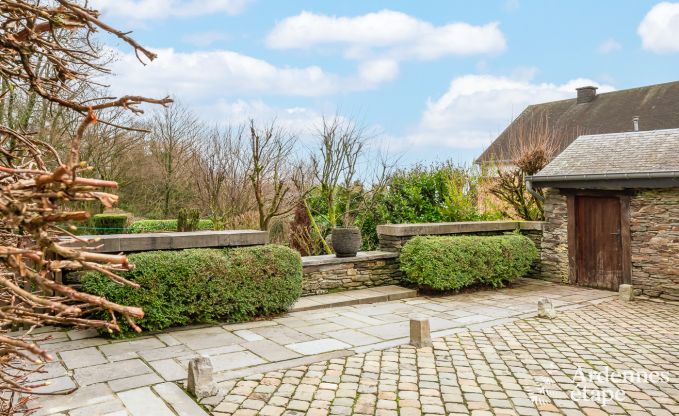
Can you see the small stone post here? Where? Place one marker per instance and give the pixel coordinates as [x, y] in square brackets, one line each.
[626, 293]
[546, 309]
[420, 334]
[200, 382]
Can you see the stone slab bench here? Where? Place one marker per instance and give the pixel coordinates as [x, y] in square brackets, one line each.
[446, 228]
[127, 243]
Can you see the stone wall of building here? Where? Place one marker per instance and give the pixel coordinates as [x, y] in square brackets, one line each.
[555, 238]
[323, 274]
[654, 226]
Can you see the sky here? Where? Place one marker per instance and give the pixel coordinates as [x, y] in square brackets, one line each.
[432, 80]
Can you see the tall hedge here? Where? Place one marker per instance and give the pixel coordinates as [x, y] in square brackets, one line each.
[157, 226]
[110, 223]
[451, 263]
[206, 285]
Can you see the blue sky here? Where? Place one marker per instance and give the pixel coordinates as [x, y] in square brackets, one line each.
[435, 79]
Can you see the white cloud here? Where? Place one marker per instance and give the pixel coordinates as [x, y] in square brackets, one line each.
[212, 78]
[161, 9]
[609, 46]
[215, 74]
[378, 70]
[393, 34]
[476, 108]
[204, 39]
[659, 30]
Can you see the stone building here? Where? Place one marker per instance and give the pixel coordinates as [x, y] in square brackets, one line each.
[612, 212]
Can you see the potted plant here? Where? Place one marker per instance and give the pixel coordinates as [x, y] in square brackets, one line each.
[346, 239]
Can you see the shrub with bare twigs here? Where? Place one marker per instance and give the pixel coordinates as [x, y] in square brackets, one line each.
[37, 184]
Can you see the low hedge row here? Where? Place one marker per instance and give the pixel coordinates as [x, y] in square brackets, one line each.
[156, 226]
[205, 285]
[452, 263]
[110, 223]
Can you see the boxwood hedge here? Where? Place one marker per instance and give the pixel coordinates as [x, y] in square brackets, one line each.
[452, 263]
[110, 223]
[157, 226]
[205, 285]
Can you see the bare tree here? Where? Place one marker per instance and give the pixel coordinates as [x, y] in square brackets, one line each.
[175, 131]
[270, 171]
[37, 184]
[335, 160]
[532, 145]
[221, 172]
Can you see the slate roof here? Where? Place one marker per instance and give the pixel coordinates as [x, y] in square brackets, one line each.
[634, 152]
[657, 107]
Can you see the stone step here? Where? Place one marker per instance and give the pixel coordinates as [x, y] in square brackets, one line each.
[353, 297]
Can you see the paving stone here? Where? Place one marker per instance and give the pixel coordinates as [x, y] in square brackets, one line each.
[270, 350]
[128, 349]
[84, 357]
[112, 371]
[54, 385]
[105, 408]
[174, 351]
[235, 360]
[169, 369]
[129, 383]
[318, 346]
[76, 334]
[180, 402]
[84, 396]
[248, 335]
[206, 338]
[143, 402]
[354, 337]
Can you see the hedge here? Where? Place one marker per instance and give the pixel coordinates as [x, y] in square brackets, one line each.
[156, 226]
[452, 263]
[205, 285]
[110, 223]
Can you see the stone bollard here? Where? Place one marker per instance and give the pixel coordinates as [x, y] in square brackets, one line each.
[626, 293]
[546, 309]
[200, 382]
[420, 334]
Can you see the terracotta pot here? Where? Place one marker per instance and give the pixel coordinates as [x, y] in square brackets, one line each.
[346, 241]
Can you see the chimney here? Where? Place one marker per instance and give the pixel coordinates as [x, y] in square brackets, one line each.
[586, 94]
[635, 121]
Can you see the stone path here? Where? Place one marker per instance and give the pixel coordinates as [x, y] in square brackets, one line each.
[138, 377]
[605, 359]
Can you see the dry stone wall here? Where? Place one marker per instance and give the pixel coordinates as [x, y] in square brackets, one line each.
[654, 226]
[554, 251]
[323, 274]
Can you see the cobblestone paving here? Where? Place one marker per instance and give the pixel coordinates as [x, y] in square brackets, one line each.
[609, 358]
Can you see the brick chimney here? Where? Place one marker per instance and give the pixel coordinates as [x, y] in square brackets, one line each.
[586, 94]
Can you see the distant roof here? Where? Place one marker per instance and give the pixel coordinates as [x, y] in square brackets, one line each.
[621, 160]
[657, 107]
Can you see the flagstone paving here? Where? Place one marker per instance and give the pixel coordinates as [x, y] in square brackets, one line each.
[116, 376]
[611, 358]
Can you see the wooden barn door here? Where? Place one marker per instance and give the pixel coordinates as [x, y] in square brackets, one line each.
[599, 241]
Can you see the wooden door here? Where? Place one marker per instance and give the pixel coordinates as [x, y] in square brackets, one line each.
[599, 255]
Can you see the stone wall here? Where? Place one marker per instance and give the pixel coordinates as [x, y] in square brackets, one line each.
[555, 238]
[654, 226]
[323, 274]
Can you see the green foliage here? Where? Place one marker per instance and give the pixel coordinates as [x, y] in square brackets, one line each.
[205, 285]
[188, 220]
[452, 263]
[157, 226]
[440, 193]
[110, 223]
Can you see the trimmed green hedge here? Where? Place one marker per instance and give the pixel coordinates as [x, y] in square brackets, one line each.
[110, 223]
[452, 263]
[157, 226]
[205, 285]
